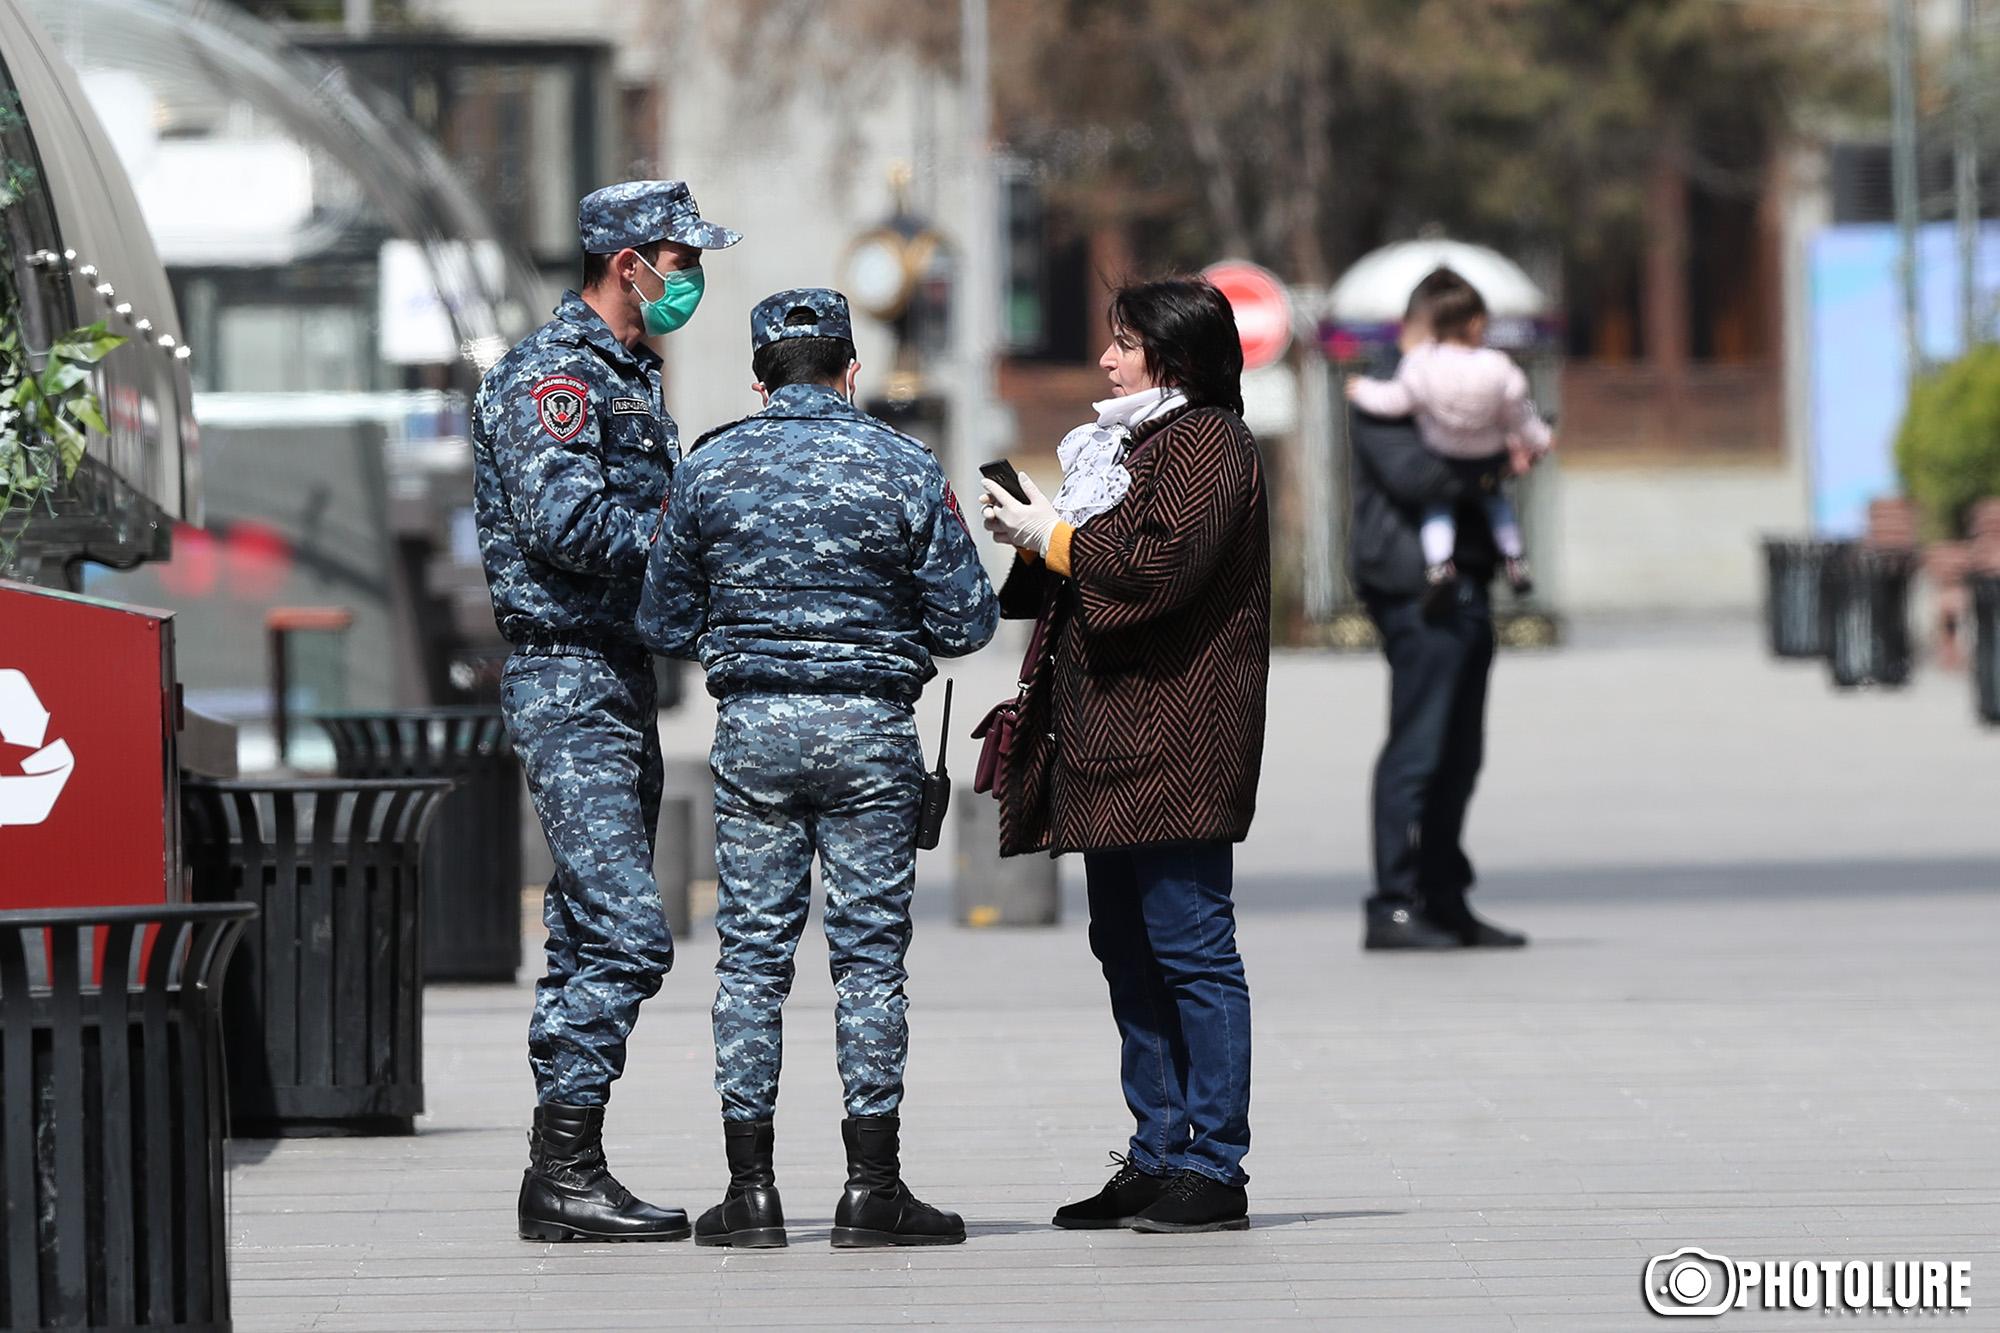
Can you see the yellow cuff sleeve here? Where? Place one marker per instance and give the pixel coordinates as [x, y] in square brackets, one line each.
[1058, 553]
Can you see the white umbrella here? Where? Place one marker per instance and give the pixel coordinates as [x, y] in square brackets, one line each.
[1377, 288]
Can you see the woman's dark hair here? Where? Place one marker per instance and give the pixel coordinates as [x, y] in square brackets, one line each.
[1188, 333]
[1448, 303]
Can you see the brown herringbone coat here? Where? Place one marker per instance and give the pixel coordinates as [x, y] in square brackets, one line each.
[1144, 718]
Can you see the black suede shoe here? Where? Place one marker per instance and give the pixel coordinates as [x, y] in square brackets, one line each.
[749, 1216]
[1470, 931]
[1118, 1203]
[1194, 1202]
[1397, 926]
[568, 1193]
[877, 1208]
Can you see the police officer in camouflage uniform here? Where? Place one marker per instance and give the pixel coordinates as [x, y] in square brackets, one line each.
[816, 561]
[573, 449]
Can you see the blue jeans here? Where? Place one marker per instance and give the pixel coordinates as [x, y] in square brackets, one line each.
[1163, 926]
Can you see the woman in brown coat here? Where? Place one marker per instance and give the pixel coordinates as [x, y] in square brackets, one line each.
[1140, 735]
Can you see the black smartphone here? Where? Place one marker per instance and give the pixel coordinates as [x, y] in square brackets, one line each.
[1003, 474]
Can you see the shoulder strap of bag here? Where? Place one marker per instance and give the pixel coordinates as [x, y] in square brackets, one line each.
[1035, 641]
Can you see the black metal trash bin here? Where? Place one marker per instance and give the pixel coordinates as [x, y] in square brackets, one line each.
[324, 1014]
[1985, 589]
[1794, 594]
[472, 865]
[1867, 609]
[112, 1210]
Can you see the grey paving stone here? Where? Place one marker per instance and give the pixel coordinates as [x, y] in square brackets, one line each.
[1740, 1026]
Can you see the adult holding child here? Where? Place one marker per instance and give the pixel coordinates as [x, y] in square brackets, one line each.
[1437, 634]
[1139, 732]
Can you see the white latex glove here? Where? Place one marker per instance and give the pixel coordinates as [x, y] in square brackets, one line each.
[1027, 527]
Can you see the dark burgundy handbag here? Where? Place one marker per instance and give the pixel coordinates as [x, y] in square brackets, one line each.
[997, 729]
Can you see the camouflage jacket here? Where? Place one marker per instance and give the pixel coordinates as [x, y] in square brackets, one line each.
[572, 451]
[810, 549]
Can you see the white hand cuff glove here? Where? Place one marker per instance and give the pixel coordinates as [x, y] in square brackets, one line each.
[1027, 527]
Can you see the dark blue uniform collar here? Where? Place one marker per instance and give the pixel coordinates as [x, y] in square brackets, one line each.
[591, 328]
[810, 400]
[801, 402]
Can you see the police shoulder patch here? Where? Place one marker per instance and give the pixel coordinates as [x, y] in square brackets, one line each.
[951, 503]
[562, 402]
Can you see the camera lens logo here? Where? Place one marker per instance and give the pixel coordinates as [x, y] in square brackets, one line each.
[27, 797]
[1690, 1281]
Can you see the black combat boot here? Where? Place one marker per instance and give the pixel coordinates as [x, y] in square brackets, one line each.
[878, 1208]
[567, 1192]
[1394, 925]
[749, 1216]
[1123, 1197]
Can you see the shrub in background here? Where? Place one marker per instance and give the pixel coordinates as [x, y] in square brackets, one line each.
[1948, 450]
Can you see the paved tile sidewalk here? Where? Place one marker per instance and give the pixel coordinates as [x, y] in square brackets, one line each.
[1707, 1052]
[1477, 1142]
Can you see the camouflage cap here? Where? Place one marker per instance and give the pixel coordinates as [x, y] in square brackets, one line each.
[635, 213]
[772, 319]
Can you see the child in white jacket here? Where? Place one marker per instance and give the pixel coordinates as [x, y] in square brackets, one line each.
[1471, 404]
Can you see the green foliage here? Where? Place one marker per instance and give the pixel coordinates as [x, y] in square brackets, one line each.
[1948, 450]
[16, 178]
[47, 402]
[44, 414]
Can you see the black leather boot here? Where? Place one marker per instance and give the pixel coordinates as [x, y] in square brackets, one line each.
[567, 1192]
[878, 1208]
[1393, 925]
[749, 1216]
[1123, 1198]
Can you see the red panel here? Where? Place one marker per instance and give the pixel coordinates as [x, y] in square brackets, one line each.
[86, 818]
[1262, 308]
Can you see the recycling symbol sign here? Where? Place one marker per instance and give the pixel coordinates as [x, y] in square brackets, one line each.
[28, 796]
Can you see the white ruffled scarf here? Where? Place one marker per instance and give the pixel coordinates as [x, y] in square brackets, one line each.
[1092, 455]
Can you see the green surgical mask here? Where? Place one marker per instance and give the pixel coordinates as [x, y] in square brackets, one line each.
[677, 302]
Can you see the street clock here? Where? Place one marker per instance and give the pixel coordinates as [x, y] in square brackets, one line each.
[883, 268]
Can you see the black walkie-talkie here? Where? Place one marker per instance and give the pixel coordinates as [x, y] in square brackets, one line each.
[937, 788]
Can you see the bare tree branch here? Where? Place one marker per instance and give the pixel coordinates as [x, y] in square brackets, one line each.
[1212, 159]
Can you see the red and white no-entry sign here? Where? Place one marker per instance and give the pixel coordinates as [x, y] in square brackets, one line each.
[1263, 310]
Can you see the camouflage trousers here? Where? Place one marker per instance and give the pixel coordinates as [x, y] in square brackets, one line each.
[586, 730]
[840, 777]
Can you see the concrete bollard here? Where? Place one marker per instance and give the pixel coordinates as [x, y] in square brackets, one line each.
[693, 779]
[674, 862]
[995, 891]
